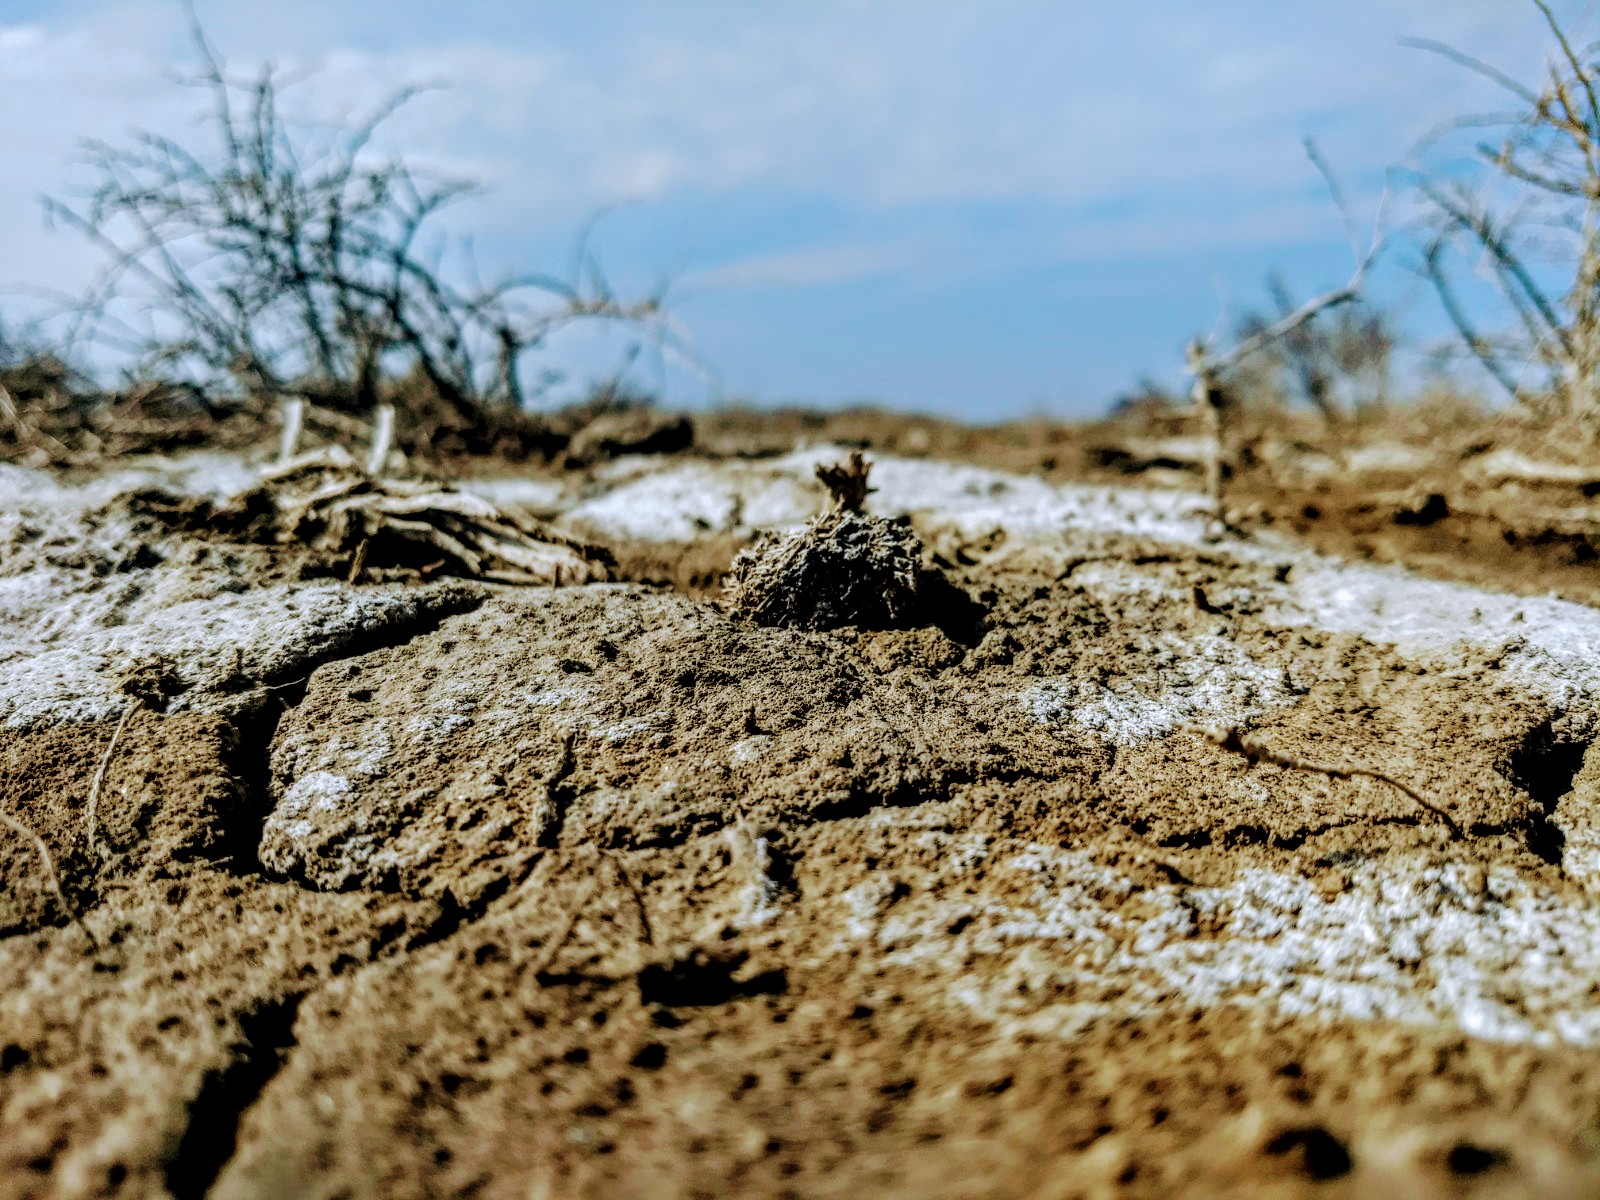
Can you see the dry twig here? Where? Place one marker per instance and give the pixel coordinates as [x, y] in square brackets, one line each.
[847, 482]
[1208, 366]
[1236, 742]
[100, 774]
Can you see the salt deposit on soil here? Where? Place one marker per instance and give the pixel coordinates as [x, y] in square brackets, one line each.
[1195, 679]
[570, 891]
[84, 600]
[1494, 955]
[684, 502]
[1550, 645]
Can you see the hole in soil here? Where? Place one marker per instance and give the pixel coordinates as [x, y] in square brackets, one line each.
[703, 979]
[1543, 767]
[1465, 1158]
[226, 1094]
[1320, 1154]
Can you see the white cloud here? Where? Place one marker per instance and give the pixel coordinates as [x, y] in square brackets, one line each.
[887, 104]
[806, 268]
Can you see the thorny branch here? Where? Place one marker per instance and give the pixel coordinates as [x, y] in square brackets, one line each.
[1528, 220]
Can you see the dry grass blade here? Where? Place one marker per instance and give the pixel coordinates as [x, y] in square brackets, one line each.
[100, 775]
[47, 864]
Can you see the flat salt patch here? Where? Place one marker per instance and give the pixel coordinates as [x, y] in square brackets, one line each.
[688, 502]
[1191, 678]
[975, 501]
[65, 664]
[1388, 456]
[319, 791]
[695, 499]
[1422, 946]
[70, 628]
[210, 475]
[538, 495]
[1550, 646]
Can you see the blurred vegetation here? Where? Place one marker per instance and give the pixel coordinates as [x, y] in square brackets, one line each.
[270, 259]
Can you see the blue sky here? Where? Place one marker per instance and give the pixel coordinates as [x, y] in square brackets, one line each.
[983, 209]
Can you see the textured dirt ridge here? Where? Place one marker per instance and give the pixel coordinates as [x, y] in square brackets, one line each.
[422, 889]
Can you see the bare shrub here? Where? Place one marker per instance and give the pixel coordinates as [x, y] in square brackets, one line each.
[845, 567]
[1341, 365]
[1211, 366]
[291, 258]
[1527, 216]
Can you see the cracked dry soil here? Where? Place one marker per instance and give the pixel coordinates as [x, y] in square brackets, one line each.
[598, 891]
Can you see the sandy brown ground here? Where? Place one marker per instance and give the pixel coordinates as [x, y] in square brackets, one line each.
[445, 889]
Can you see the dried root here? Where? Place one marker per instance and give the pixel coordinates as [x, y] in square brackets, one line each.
[1236, 742]
[847, 483]
[52, 879]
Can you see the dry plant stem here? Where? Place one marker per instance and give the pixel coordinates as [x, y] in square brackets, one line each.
[358, 562]
[382, 439]
[100, 776]
[638, 897]
[48, 865]
[294, 416]
[847, 483]
[1235, 742]
[1208, 408]
[1208, 367]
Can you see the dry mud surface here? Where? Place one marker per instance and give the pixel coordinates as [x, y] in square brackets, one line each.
[449, 889]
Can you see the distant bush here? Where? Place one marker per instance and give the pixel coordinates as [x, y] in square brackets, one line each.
[1340, 365]
[292, 259]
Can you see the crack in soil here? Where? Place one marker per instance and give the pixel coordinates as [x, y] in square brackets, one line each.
[257, 723]
[226, 1094]
[1544, 766]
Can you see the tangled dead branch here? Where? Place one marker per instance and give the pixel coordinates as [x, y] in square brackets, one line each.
[295, 258]
[327, 504]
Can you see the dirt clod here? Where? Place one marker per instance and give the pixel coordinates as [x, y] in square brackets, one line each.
[845, 568]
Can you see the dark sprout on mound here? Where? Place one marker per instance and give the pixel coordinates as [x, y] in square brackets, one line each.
[845, 567]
